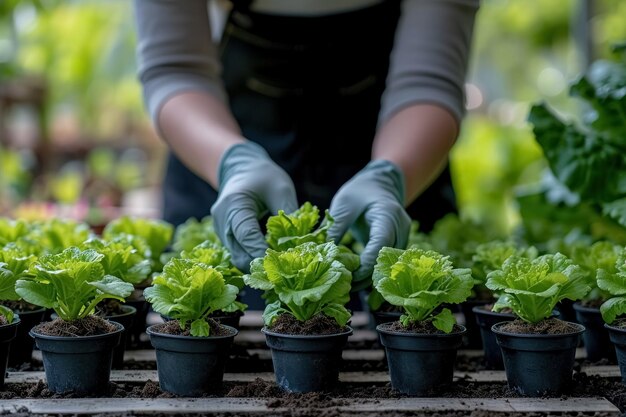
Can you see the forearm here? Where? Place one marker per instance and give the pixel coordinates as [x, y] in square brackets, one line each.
[417, 139]
[198, 128]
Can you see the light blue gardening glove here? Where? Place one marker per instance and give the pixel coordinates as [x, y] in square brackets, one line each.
[250, 186]
[371, 206]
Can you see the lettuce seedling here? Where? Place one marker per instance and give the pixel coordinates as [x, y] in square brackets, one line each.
[120, 259]
[14, 264]
[72, 283]
[420, 281]
[307, 280]
[193, 232]
[601, 255]
[218, 257]
[286, 231]
[533, 287]
[613, 281]
[156, 233]
[12, 230]
[56, 235]
[491, 256]
[189, 292]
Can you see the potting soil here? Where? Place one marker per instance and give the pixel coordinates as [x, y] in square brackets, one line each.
[548, 326]
[317, 325]
[88, 326]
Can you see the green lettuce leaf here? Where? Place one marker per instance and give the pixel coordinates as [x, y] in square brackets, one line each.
[286, 231]
[120, 259]
[193, 232]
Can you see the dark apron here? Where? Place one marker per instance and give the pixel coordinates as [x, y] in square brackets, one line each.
[308, 90]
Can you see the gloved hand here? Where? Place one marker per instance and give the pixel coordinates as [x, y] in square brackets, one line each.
[250, 185]
[371, 206]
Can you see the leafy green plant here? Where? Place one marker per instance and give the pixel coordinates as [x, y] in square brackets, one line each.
[490, 257]
[612, 279]
[286, 231]
[120, 259]
[189, 291]
[72, 283]
[192, 233]
[56, 235]
[156, 233]
[420, 281]
[601, 255]
[588, 157]
[12, 230]
[307, 280]
[533, 287]
[215, 255]
[14, 265]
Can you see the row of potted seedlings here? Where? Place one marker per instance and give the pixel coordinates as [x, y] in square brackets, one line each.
[307, 283]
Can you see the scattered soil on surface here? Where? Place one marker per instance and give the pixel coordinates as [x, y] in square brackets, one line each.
[172, 327]
[88, 326]
[109, 307]
[548, 326]
[421, 327]
[318, 325]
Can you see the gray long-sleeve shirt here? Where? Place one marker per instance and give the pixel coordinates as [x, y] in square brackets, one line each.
[428, 62]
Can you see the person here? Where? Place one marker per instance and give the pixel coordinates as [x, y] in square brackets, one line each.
[352, 105]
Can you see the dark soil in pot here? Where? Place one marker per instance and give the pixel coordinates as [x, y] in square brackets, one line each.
[230, 319]
[485, 319]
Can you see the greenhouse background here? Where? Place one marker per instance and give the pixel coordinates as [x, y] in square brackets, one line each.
[69, 91]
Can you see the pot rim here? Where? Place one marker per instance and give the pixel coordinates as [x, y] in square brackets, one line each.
[15, 322]
[130, 311]
[614, 328]
[267, 332]
[119, 329]
[478, 309]
[494, 329]
[579, 307]
[421, 335]
[150, 331]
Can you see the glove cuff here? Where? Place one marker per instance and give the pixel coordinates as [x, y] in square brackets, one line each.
[391, 175]
[237, 157]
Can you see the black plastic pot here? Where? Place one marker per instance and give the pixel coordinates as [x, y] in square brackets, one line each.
[472, 338]
[382, 317]
[618, 337]
[125, 319]
[190, 366]
[420, 362]
[485, 319]
[139, 322]
[80, 364]
[596, 336]
[306, 363]
[7, 334]
[22, 345]
[538, 364]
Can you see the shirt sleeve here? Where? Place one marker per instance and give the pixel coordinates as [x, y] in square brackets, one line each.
[175, 52]
[429, 60]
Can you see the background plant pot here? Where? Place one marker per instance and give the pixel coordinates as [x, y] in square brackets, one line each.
[596, 336]
[420, 362]
[139, 322]
[81, 364]
[7, 334]
[190, 366]
[485, 319]
[126, 319]
[22, 347]
[538, 364]
[472, 338]
[618, 337]
[306, 363]
[382, 317]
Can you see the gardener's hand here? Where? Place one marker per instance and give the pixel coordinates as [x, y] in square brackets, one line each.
[250, 185]
[371, 206]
